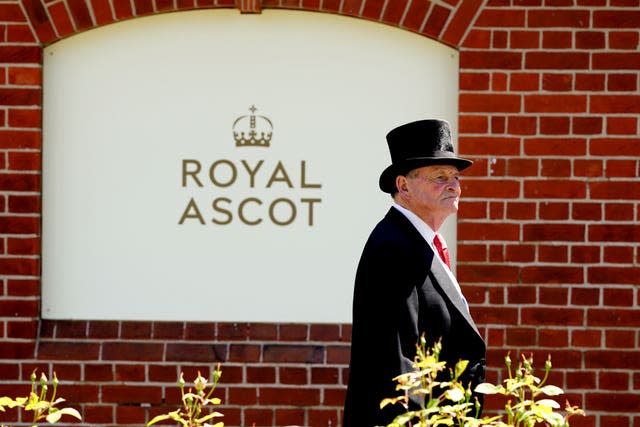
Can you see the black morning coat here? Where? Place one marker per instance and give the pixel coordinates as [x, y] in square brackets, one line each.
[401, 292]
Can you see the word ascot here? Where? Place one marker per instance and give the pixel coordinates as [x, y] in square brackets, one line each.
[227, 174]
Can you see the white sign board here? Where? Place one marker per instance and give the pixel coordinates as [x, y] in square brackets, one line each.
[214, 166]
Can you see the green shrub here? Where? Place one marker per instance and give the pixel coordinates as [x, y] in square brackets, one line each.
[195, 405]
[43, 408]
[449, 403]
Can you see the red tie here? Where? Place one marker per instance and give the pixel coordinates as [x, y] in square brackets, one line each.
[441, 246]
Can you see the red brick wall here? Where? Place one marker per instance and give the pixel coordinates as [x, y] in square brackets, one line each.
[548, 245]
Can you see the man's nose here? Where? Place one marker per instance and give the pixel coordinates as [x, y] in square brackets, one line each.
[453, 185]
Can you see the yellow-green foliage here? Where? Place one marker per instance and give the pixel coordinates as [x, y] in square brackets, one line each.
[193, 412]
[43, 407]
[449, 403]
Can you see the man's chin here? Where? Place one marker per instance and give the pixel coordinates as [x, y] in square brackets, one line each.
[452, 206]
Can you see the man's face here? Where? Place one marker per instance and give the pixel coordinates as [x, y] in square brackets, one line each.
[434, 191]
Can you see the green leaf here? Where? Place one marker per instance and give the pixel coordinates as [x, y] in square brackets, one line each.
[55, 414]
[551, 390]
[38, 406]
[487, 388]
[162, 417]
[548, 403]
[460, 367]
[10, 403]
[392, 401]
[487, 420]
[454, 394]
[208, 417]
[176, 416]
[518, 382]
[403, 419]
[32, 398]
[71, 412]
[554, 419]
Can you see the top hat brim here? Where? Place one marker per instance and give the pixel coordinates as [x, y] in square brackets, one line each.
[388, 177]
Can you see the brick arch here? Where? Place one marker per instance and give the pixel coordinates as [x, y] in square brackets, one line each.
[446, 22]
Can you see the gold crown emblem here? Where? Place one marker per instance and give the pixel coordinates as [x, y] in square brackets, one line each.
[252, 130]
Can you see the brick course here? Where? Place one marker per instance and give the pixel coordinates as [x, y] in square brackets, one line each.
[548, 241]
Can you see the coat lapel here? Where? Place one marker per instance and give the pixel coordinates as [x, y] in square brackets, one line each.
[449, 289]
[437, 269]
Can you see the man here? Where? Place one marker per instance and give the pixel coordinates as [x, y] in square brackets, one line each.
[403, 288]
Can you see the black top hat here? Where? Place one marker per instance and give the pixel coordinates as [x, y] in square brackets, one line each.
[418, 144]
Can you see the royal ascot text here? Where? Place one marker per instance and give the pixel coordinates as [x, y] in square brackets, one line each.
[228, 174]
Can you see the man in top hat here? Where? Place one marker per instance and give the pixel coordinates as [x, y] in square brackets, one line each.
[404, 286]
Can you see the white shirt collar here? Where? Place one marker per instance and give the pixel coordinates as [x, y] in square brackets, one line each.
[425, 231]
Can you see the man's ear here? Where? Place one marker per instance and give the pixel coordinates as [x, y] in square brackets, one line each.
[402, 185]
